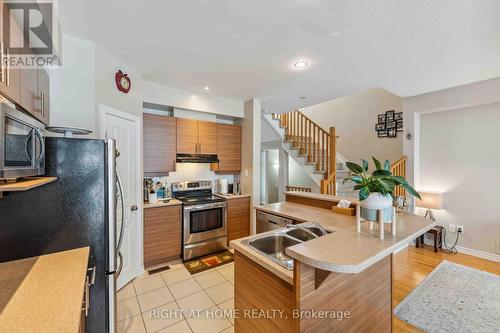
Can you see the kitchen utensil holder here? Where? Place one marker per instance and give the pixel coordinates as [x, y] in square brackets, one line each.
[380, 221]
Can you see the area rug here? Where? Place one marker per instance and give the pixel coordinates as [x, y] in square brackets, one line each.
[454, 298]
[202, 264]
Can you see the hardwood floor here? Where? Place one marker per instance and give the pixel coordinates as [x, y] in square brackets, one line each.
[412, 265]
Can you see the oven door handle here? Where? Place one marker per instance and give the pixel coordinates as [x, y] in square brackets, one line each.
[42, 146]
[28, 146]
[205, 206]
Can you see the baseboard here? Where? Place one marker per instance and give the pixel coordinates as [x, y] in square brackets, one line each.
[479, 254]
[469, 251]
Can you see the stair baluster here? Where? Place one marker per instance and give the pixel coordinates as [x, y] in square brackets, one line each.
[314, 143]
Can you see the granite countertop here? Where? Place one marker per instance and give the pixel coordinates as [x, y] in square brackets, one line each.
[160, 203]
[43, 294]
[345, 250]
[232, 196]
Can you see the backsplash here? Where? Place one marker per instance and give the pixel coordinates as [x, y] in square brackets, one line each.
[192, 171]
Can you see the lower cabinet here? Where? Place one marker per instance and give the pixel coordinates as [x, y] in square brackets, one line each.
[162, 234]
[238, 218]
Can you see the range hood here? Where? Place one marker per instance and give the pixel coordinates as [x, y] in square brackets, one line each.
[196, 158]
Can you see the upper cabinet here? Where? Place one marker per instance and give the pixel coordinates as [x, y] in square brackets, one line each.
[10, 79]
[30, 100]
[207, 137]
[196, 137]
[44, 95]
[229, 149]
[28, 88]
[159, 144]
[187, 136]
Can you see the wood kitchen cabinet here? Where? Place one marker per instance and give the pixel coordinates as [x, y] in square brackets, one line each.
[187, 136]
[159, 144]
[30, 100]
[44, 96]
[10, 81]
[207, 137]
[238, 218]
[196, 137]
[229, 149]
[28, 88]
[162, 234]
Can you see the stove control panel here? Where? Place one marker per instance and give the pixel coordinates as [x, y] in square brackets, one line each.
[192, 185]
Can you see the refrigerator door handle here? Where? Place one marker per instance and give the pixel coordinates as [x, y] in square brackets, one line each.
[112, 223]
[120, 257]
[122, 227]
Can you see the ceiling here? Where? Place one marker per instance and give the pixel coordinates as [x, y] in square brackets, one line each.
[244, 49]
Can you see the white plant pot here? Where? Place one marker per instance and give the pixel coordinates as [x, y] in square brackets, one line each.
[373, 203]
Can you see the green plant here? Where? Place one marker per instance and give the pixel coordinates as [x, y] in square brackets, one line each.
[380, 181]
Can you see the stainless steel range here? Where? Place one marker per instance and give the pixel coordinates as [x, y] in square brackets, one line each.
[204, 218]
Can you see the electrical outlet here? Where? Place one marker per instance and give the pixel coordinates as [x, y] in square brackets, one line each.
[452, 227]
[497, 246]
[460, 228]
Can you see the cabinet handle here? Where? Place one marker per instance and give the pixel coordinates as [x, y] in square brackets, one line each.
[134, 208]
[7, 68]
[43, 103]
[2, 72]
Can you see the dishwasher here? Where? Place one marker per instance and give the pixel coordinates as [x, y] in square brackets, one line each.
[268, 222]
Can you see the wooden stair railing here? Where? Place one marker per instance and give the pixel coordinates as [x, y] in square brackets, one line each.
[399, 169]
[298, 188]
[316, 144]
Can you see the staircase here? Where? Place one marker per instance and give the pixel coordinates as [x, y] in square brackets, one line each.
[312, 147]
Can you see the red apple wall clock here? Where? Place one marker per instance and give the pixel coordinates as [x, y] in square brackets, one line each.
[122, 82]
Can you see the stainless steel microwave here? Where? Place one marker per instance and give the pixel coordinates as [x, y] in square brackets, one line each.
[22, 144]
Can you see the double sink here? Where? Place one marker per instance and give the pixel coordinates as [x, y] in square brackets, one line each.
[273, 245]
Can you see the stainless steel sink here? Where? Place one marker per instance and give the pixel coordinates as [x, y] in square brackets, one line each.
[300, 234]
[273, 246]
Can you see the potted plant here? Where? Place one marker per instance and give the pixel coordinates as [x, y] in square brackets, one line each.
[376, 189]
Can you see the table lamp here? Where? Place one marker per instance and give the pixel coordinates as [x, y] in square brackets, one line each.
[430, 200]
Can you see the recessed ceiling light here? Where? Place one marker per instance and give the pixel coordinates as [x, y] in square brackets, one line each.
[206, 88]
[300, 64]
[335, 34]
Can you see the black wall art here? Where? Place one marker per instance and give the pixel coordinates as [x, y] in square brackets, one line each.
[389, 124]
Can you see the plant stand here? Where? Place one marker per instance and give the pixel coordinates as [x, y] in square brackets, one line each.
[380, 221]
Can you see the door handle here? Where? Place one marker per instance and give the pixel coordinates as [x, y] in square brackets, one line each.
[134, 208]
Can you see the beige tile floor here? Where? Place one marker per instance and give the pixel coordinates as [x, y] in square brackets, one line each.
[175, 301]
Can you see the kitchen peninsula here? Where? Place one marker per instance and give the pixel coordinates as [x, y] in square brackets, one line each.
[341, 272]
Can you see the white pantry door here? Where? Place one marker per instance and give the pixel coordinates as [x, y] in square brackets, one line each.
[124, 129]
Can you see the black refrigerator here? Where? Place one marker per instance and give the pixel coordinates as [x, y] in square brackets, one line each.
[77, 210]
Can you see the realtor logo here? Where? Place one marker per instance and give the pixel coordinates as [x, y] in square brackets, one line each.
[28, 34]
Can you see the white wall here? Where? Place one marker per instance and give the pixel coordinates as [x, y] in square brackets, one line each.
[475, 94]
[268, 134]
[297, 176]
[250, 153]
[72, 86]
[469, 113]
[163, 95]
[106, 92]
[354, 118]
[87, 80]
[459, 156]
